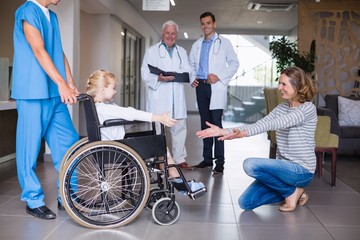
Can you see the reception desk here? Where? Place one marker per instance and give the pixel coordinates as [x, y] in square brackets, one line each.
[8, 119]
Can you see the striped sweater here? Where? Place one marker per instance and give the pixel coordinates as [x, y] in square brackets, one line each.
[295, 132]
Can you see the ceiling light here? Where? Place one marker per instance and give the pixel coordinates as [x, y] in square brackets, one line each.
[271, 6]
[186, 35]
[172, 2]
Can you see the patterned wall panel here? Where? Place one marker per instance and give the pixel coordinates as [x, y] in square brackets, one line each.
[337, 35]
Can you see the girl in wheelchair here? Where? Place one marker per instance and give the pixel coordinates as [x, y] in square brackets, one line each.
[101, 86]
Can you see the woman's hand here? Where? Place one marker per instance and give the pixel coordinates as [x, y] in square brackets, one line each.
[225, 134]
[212, 131]
[236, 133]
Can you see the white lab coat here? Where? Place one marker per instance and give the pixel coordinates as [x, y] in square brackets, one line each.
[165, 96]
[223, 62]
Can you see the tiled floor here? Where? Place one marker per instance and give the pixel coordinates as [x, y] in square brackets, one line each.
[331, 213]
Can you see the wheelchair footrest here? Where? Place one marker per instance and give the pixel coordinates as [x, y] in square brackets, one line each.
[198, 193]
[193, 189]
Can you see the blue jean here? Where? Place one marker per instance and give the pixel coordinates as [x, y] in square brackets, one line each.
[275, 180]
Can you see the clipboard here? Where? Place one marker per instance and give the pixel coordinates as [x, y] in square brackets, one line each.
[179, 77]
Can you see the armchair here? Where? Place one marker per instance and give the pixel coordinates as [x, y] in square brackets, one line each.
[325, 142]
[272, 99]
[349, 136]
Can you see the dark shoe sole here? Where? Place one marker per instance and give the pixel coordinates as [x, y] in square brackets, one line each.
[41, 212]
[203, 165]
[60, 207]
[218, 170]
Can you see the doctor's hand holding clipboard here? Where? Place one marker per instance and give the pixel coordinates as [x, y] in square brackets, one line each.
[169, 76]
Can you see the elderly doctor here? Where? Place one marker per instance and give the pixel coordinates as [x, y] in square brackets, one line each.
[214, 62]
[165, 96]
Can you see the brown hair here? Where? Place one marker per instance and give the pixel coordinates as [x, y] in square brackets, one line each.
[98, 79]
[208, 14]
[302, 83]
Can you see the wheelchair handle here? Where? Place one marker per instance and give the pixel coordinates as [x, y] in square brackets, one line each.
[83, 96]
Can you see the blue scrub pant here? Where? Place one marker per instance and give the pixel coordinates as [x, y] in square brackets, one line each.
[37, 119]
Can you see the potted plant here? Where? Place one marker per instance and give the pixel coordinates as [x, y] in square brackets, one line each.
[286, 54]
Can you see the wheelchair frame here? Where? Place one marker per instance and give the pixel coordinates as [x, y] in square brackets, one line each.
[106, 184]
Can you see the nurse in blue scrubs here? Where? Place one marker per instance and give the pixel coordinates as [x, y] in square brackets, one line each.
[42, 86]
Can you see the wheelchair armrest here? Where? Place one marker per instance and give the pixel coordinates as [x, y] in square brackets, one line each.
[122, 122]
[119, 122]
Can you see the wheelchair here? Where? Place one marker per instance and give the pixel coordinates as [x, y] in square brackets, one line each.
[107, 184]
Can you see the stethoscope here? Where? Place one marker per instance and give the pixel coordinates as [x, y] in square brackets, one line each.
[162, 53]
[216, 49]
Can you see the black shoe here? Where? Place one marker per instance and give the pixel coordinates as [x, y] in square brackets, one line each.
[218, 169]
[41, 212]
[60, 206]
[204, 164]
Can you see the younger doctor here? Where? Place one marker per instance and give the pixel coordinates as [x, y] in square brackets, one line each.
[165, 96]
[214, 62]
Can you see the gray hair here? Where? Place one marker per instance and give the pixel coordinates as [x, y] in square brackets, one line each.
[170, 23]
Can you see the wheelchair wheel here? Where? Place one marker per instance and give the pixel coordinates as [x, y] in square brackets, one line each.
[165, 211]
[77, 145]
[104, 184]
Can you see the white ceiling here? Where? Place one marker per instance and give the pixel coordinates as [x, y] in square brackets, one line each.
[232, 16]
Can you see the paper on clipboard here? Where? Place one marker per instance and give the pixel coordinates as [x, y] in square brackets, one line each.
[179, 77]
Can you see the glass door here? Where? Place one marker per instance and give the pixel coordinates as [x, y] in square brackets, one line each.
[131, 70]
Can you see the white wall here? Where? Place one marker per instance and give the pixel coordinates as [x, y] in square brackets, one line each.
[67, 12]
[101, 48]
[127, 14]
[101, 24]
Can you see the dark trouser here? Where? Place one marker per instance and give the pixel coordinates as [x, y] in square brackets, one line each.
[203, 95]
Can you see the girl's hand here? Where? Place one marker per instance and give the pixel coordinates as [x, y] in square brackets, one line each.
[166, 120]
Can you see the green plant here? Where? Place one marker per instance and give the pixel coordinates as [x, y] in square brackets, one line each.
[286, 54]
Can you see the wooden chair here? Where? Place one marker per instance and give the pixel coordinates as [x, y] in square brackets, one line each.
[325, 142]
[272, 99]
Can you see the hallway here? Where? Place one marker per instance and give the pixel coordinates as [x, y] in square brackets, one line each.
[331, 213]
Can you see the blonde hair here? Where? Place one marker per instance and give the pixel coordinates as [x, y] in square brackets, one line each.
[98, 79]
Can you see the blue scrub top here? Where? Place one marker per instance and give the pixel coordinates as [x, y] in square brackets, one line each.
[29, 79]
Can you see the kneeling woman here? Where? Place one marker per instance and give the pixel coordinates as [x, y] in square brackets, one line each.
[294, 122]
